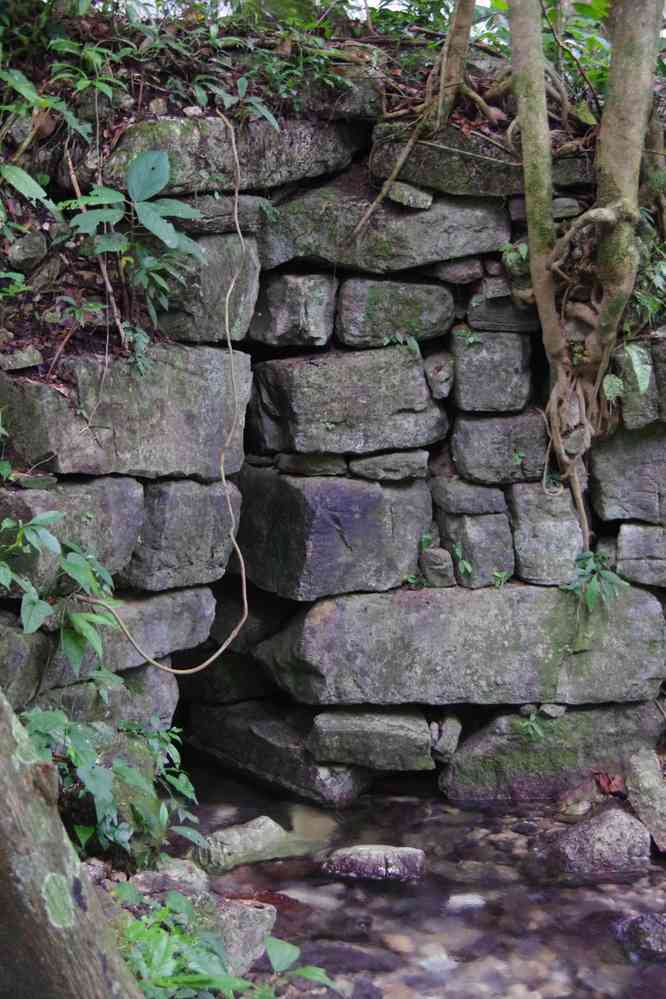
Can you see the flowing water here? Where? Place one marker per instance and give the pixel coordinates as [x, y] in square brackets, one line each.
[474, 927]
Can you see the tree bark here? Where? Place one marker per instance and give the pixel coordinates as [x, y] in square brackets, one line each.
[454, 56]
[55, 942]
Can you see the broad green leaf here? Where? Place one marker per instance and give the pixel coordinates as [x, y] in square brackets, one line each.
[177, 902]
[98, 781]
[127, 893]
[592, 593]
[87, 630]
[192, 834]
[130, 775]
[22, 182]
[84, 834]
[48, 541]
[34, 612]
[613, 387]
[190, 247]
[113, 242]
[74, 646]
[78, 568]
[104, 196]
[45, 519]
[5, 469]
[153, 222]
[21, 84]
[170, 207]
[147, 174]
[641, 365]
[87, 222]
[314, 974]
[6, 575]
[264, 112]
[583, 112]
[281, 954]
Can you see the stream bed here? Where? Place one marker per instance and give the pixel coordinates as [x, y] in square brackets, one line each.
[475, 926]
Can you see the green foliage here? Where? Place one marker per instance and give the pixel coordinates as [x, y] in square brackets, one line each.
[464, 567]
[531, 727]
[465, 334]
[594, 583]
[500, 578]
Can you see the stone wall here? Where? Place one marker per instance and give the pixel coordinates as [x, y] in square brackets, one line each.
[404, 557]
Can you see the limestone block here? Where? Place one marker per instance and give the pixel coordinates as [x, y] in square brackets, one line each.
[409, 196]
[455, 496]
[546, 534]
[201, 153]
[457, 163]
[377, 740]
[445, 737]
[103, 516]
[197, 307]
[295, 310]
[306, 537]
[485, 646]
[318, 226]
[270, 743]
[492, 372]
[369, 313]
[641, 554]
[186, 535]
[22, 660]
[391, 466]
[370, 862]
[436, 567]
[439, 370]
[628, 475]
[492, 309]
[462, 271]
[172, 423]
[501, 765]
[380, 402]
[480, 546]
[500, 450]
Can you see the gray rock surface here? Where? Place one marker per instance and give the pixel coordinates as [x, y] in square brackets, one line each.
[266, 615]
[171, 423]
[26, 252]
[392, 467]
[455, 496]
[312, 464]
[546, 534]
[462, 271]
[500, 450]
[217, 214]
[243, 927]
[646, 792]
[249, 843]
[641, 554]
[492, 372]
[103, 516]
[197, 307]
[270, 743]
[318, 226]
[369, 313]
[486, 646]
[640, 408]
[186, 537]
[501, 765]
[308, 537]
[439, 370]
[22, 660]
[381, 402]
[445, 738]
[611, 846]
[644, 936]
[377, 740]
[201, 154]
[376, 863]
[409, 196]
[493, 309]
[628, 475]
[480, 546]
[437, 568]
[295, 310]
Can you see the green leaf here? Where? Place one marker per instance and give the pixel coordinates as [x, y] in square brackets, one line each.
[113, 242]
[22, 182]
[640, 362]
[21, 84]
[87, 222]
[147, 174]
[192, 834]
[103, 196]
[127, 893]
[6, 575]
[133, 777]
[74, 646]
[281, 954]
[179, 903]
[48, 541]
[264, 112]
[153, 222]
[84, 834]
[170, 207]
[5, 469]
[34, 611]
[314, 974]
[613, 387]
[79, 569]
[583, 112]
[190, 247]
[45, 519]
[87, 630]
[592, 593]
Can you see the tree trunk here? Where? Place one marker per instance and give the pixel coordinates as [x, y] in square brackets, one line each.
[55, 942]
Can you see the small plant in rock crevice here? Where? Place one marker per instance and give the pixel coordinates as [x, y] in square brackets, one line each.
[464, 567]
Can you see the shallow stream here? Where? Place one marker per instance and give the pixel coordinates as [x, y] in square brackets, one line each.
[474, 927]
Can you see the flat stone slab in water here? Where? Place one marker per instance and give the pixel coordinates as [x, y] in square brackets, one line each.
[377, 863]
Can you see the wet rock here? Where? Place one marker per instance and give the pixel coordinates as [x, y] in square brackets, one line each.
[473, 872]
[644, 936]
[409, 196]
[254, 841]
[26, 252]
[500, 450]
[439, 370]
[445, 738]
[318, 226]
[628, 475]
[611, 846]
[492, 373]
[552, 710]
[455, 496]
[28, 357]
[380, 741]
[493, 309]
[101, 515]
[486, 646]
[308, 537]
[391, 467]
[376, 863]
[459, 163]
[186, 535]
[295, 310]
[437, 568]
[312, 464]
[171, 873]
[341, 958]
[293, 408]
[170, 424]
[197, 307]
[462, 271]
[270, 743]
[481, 547]
[243, 927]
[646, 792]
[546, 534]
[501, 764]
[370, 313]
[641, 554]
[201, 154]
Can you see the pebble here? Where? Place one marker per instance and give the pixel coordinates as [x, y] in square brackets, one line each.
[468, 900]
[399, 943]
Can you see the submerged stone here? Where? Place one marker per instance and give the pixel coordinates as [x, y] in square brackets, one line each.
[376, 863]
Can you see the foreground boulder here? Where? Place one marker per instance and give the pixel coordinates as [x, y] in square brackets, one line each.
[502, 765]
[376, 863]
[270, 743]
[304, 538]
[381, 402]
[484, 646]
[644, 936]
[171, 423]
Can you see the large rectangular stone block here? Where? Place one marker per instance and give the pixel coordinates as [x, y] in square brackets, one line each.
[628, 475]
[508, 646]
[344, 402]
[500, 450]
[170, 422]
[308, 537]
[492, 372]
